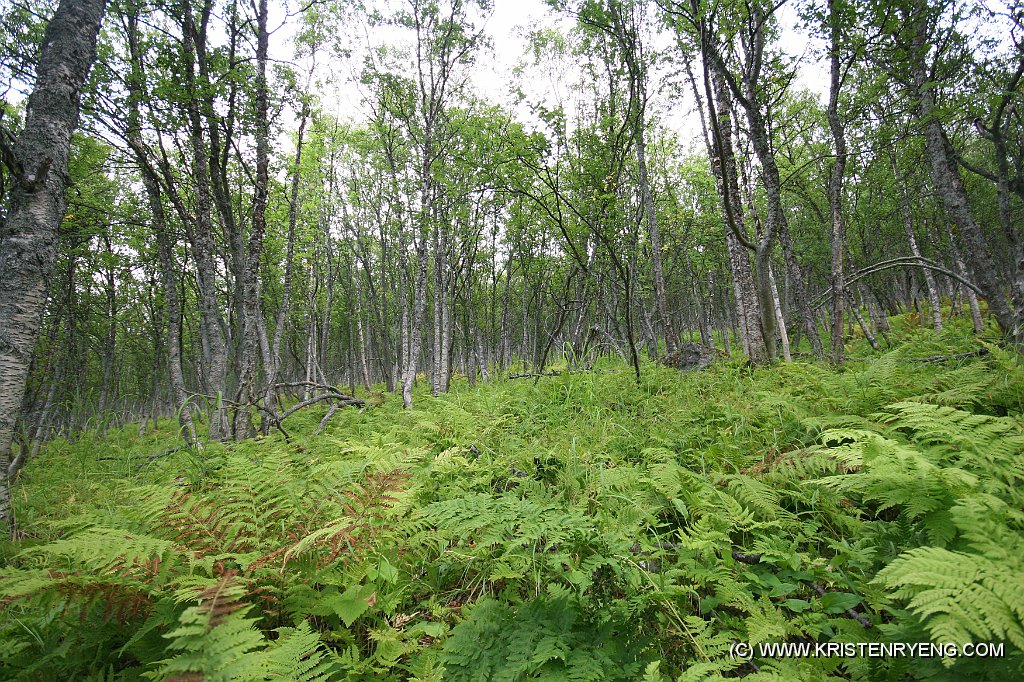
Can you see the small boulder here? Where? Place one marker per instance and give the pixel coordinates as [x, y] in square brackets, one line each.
[691, 356]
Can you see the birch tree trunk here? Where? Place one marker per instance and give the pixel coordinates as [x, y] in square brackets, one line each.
[252, 310]
[835, 188]
[273, 355]
[438, 313]
[671, 340]
[961, 269]
[780, 320]
[212, 327]
[28, 235]
[165, 248]
[746, 303]
[908, 229]
[758, 305]
[855, 309]
[945, 174]
[361, 336]
[419, 297]
[746, 94]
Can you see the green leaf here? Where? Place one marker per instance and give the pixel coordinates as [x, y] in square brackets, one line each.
[838, 602]
[429, 628]
[782, 589]
[385, 571]
[352, 603]
[796, 605]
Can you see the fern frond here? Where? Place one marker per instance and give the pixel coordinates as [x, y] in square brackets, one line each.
[959, 596]
[297, 655]
[215, 638]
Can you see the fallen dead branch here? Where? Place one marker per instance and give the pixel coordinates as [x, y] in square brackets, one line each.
[327, 418]
[534, 375]
[342, 401]
[954, 356]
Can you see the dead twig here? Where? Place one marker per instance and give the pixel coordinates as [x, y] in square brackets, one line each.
[153, 458]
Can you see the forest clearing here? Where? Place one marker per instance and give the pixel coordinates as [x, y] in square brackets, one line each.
[661, 340]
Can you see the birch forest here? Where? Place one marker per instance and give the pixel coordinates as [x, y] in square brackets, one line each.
[511, 339]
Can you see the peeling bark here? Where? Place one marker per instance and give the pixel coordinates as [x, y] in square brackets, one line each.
[28, 236]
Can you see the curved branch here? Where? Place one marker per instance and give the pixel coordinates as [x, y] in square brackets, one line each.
[903, 261]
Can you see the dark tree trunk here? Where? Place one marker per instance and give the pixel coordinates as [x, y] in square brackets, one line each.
[252, 311]
[945, 174]
[212, 328]
[165, 249]
[758, 308]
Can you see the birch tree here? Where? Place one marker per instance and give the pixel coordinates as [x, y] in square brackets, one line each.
[38, 164]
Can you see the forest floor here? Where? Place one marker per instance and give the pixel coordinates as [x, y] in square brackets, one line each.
[583, 526]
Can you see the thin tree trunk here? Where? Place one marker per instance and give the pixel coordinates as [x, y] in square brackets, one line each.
[757, 298]
[273, 360]
[709, 312]
[961, 269]
[855, 309]
[776, 223]
[876, 313]
[908, 229]
[780, 320]
[835, 188]
[325, 328]
[165, 249]
[437, 380]
[671, 339]
[419, 305]
[705, 332]
[357, 278]
[404, 308]
[743, 290]
[172, 305]
[446, 342]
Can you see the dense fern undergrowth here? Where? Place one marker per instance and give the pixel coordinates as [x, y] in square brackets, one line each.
[583, 527]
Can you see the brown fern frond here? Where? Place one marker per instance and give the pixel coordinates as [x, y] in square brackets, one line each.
[221, 600]
[193, 524]
[347, 536]
[354, 532]
[202, 526]
[270, 556]
[124, 601]
[141, 571]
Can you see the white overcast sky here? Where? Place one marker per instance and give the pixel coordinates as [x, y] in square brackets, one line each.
[507, 28]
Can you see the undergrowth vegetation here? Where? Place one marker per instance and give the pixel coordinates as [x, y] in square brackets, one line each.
[581, 527]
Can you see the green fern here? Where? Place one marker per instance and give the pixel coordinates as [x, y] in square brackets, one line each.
[961, 597]
[580, 528]
[547, 638]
